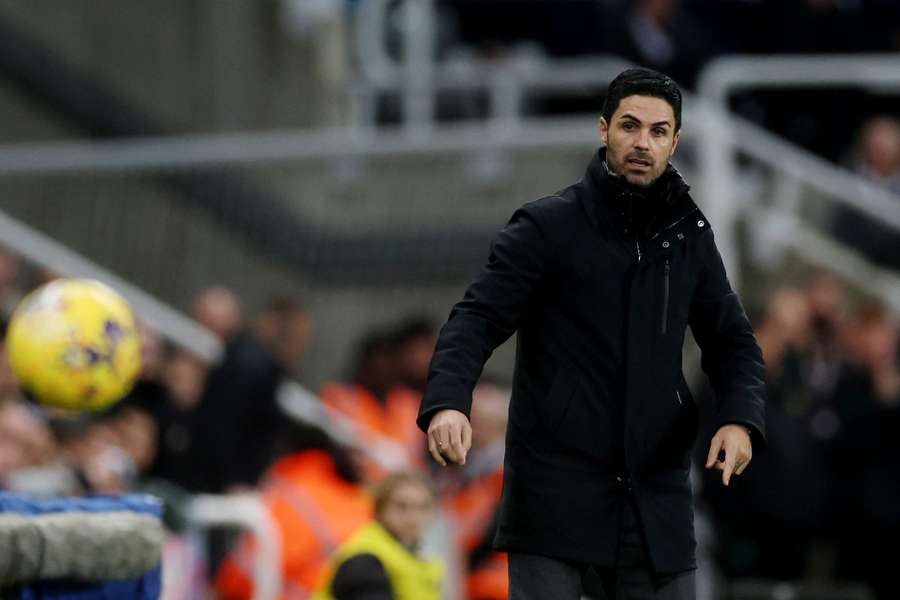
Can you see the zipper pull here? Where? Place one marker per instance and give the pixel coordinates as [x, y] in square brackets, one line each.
[638, 246]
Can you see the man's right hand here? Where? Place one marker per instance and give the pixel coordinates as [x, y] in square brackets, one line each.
[449, 437]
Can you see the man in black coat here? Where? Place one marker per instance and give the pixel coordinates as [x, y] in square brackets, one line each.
[601, 280]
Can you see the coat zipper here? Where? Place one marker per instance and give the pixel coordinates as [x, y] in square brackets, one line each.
[678, 396]
[665, 314]
[637, 245]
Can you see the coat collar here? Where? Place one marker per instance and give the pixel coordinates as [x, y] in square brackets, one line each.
[612, 198]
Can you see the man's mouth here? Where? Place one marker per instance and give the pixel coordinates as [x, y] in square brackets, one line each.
[637, 164]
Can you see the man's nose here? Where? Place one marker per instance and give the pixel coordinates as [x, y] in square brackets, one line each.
[643, 140]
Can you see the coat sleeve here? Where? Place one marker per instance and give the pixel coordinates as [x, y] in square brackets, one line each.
[730, 356]
[490, 311]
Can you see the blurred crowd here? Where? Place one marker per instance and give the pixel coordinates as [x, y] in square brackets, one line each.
[822, 500]
[679, 37]
[676, 36]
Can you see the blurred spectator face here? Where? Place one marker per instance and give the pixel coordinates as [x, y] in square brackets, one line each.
[641, 138]
[219, 310]
[407, 510]
[9, 269]
[375, 364]
[8, 384]
[292, 340]
[184, 379]
[879, 343]
[25, 441]
[136, 435]
[284, 328]
[490, 407]
[151, 352]
[106, 465]
[414, 356]
[881, 146]
[789, 318]
[827, 299]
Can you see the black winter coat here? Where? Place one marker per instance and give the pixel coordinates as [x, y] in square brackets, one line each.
[600, 405]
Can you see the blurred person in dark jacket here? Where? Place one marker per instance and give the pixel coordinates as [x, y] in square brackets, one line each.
[661, 35]
[238, 419]
[183, 379]
[789, 488]
[601, 281]
[827, 300]
[867, 455]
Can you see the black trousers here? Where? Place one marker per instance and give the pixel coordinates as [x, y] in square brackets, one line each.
[533, 577]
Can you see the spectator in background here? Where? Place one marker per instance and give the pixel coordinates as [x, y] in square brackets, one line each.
[313, 494]
[660, 35]
[414, 341]
[868, 454]
[375, 367]
[788, 490]
[828, 306]
[9, 386]
[382, 560]
[148, 394]
[473, 496]
[878, 160]
[184, 379]
[10, 294]
[26, 441]
[237, 419]
[385, 391]
[218, 309]
[879, 152]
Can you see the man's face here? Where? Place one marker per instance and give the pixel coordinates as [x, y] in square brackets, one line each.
[640, 139]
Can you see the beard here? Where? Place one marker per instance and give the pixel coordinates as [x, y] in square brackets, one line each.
[637, 168]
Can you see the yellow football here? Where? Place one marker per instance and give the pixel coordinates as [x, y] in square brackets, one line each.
[74, 344]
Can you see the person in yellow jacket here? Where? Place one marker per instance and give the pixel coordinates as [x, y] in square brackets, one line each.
[381, 561]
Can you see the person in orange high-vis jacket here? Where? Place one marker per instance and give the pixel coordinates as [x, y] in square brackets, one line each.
[391, 422]
[381, 402]
[316, 506]
[474, 502]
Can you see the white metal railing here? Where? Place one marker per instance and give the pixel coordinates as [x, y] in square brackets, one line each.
[249, 512]
[727, 136]
[46, 252]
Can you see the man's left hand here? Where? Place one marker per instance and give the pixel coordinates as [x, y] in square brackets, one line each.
[734, 442]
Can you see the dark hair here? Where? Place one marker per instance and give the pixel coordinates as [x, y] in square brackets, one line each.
[385, 489]
[411, 328]
[642, 82]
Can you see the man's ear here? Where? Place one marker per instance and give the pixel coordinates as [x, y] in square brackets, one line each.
[675, 142]
[604, 131]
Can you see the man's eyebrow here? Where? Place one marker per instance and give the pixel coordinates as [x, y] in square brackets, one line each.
[631, 117]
